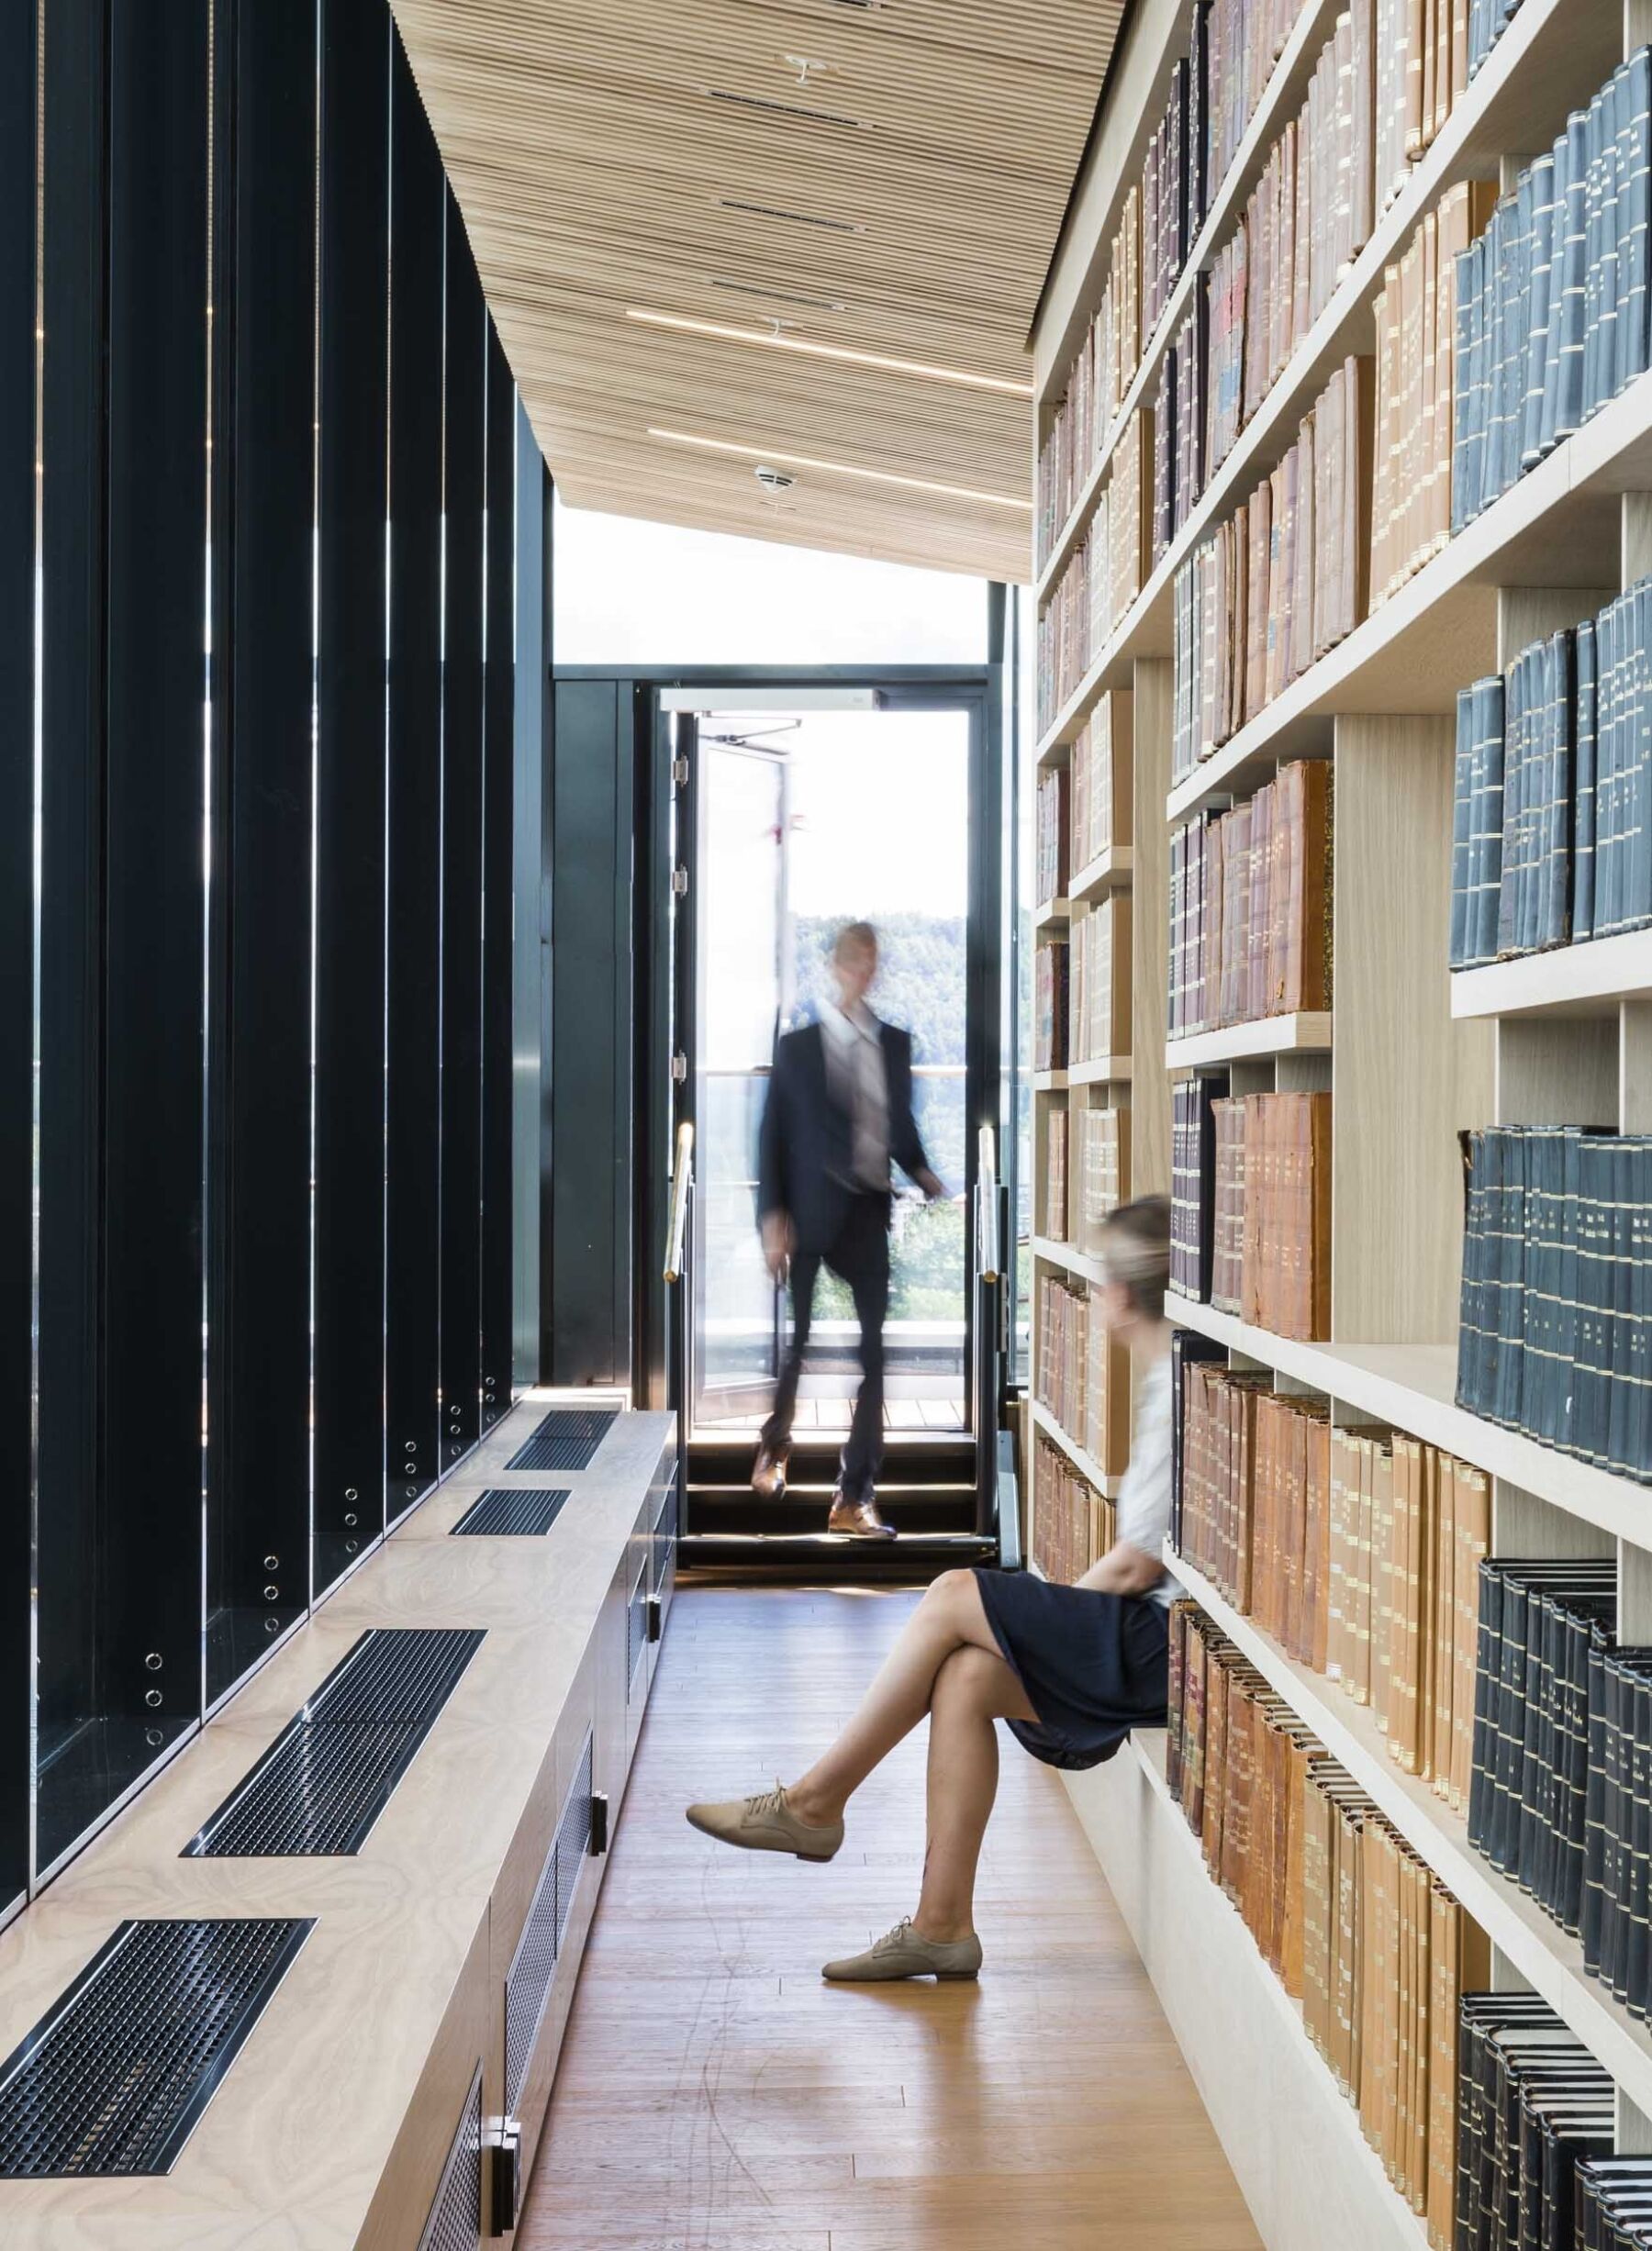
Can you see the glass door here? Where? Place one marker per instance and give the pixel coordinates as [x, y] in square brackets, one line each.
[740, 998]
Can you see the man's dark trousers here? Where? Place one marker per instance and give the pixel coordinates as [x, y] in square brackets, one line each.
[859, 1257]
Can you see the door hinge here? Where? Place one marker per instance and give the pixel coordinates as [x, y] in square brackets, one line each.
[679, 881]
[679, 772]
[679, 1069]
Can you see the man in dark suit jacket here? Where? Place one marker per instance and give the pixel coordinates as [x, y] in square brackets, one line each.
[839, 1112]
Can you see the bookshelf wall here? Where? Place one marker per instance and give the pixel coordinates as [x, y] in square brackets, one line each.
[1406, 1057]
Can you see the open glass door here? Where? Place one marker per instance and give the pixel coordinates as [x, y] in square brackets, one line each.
[741, 996]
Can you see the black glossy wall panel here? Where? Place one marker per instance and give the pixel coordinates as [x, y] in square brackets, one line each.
[589, 1296]
[17, 20]
[153, 877]
[258, 1563]
[413, 1141]
[70, 1674]
[497, 762]
[267, 965]
[465, 461]
[350, 783]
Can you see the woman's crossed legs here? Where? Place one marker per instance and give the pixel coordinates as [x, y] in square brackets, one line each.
[945, 1663]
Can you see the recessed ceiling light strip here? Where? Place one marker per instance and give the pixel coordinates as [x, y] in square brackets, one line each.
[784, 109]
[842, 469]
[795, 218]
[781, 296]
[829, 351]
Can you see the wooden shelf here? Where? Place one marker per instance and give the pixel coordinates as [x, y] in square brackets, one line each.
[1271, 1035]
[1587, 979]
[1112, 870]
[1052, 910]
[1550, 58]
[1085, 1464]
[1069, 1257]
[1282, 97]
[1550, 1962]
[1292, 2136]
[1413, 1386]
[1049, 1081]
[1105, 1071]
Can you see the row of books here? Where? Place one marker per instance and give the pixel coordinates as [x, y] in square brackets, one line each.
[1052, 827]
[1552, 822]
[1083, 1377]
[1555, 298]
[1103, 369]
[1073, 1525]
[1251, 906]
[1180, 440]
[1358, 1931]
[1050, 1015]
[1281, 581]
[1488, 20]
[1357, 1551]
[1382, 87]
[1307, 219]
[1214, 92]
[1555, 1336]
[1193, 1173]
[1099, 980]
[1264, 1208]
[1102, 795]
[1535, 2115]
[1103, 576]
[1562, 1754]
[1087, 1171]
[1415, 316]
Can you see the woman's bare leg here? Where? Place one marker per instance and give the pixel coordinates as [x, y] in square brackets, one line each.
[950, 1617]
[972, 1691]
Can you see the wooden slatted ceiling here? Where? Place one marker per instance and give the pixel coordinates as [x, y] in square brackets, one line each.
[885, 176]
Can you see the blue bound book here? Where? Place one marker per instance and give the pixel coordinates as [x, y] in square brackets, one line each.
[1583, 809]
[1461, 825]
[1468, 442]
[1574, 309]
[1635, 219]
[1542, 197]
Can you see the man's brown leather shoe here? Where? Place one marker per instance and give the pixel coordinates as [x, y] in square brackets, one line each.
[768, 1474]
[857, 1519]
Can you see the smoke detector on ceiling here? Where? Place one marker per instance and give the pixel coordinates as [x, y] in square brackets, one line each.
[773, 480]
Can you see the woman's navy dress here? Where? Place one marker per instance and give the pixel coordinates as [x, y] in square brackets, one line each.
[1094, 1664]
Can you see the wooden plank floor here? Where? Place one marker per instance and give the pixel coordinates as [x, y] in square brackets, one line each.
[715, 2095]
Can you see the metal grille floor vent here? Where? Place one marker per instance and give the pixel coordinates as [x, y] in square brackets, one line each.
[112, 2081]
[567, 1439]
[528, 1981]
[456, 2221]
[332, 1770]
[524, 1514]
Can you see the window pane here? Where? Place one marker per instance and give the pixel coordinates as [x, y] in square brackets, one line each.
[630, 592]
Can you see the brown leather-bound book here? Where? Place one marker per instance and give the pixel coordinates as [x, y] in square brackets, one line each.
[1317, 1640]
[1397, 1712]
[1260, 528]
[1301, 1748]
[1474, 1543]
[1262, 902]
[1414, 72]
[1314, 1821]
[1319, 1111]
[1215, 1765]
[1419, 1615]
[1229, 1869]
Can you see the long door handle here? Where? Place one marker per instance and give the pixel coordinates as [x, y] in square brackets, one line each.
[682, 1178]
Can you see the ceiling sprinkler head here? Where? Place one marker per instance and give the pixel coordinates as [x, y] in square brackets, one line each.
[773, 480]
